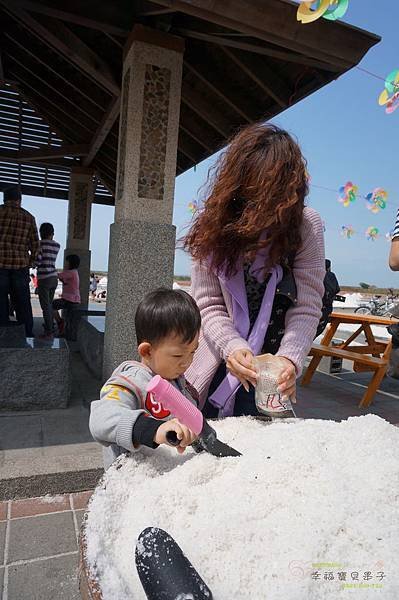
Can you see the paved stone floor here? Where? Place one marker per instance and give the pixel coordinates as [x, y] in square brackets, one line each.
[37, 444]
[337, 397]
[39, 547]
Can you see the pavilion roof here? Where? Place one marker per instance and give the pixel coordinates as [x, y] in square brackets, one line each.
[61, 68]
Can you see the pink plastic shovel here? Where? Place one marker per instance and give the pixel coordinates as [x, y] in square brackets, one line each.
[190, 416]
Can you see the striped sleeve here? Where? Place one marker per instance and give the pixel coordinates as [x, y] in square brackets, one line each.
[395, 233]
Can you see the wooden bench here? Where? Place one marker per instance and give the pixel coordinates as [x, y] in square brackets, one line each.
[370, 356]
[361, 362]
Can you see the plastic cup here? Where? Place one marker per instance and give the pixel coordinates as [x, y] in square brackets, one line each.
[269, 369]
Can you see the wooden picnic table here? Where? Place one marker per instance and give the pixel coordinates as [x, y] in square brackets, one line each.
[370, 356]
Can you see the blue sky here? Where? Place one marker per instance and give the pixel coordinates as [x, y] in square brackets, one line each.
[345, 136]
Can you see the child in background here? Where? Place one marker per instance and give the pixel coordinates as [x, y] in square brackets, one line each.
[70, 289]
[47, 276]
[34, 282]
[126, 416]
[93, 285]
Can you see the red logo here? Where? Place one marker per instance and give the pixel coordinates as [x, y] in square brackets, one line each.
[155, 408]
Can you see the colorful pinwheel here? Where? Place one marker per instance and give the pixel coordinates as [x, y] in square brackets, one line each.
[347, 193]
[193, 207]
[372, 233]
[347, 231]
[309, 11]
[389, 96]
[377, 200]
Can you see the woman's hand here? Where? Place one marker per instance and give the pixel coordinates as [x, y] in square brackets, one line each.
[183, 433]
[241, 364]
[287, 379]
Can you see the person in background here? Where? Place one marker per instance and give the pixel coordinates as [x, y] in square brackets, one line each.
[93, 285]
[394, 253]
[19, 247]
[331, 289]
[70, 289]
[47, 276]
[34, 283]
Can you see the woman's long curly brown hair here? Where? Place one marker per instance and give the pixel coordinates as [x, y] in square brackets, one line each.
[259, 184]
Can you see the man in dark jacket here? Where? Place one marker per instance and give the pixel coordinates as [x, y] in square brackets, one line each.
[331, 289]
[19, 246]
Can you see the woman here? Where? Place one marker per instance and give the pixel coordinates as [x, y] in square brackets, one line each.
[258, 270]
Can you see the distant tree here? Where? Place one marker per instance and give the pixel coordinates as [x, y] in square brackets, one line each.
[364, 286]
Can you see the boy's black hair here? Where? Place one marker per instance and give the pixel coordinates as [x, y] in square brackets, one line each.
[74, 261]
[166, 312]
[328, 264]
[46, 230]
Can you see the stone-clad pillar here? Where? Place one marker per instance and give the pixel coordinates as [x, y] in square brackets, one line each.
[80, 199]
[142, 241]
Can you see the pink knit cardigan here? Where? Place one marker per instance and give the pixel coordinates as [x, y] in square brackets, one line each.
[219, 337]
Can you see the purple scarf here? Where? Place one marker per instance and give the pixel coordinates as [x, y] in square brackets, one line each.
[224, 396]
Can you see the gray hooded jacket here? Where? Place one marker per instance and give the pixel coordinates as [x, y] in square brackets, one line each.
[123, 398]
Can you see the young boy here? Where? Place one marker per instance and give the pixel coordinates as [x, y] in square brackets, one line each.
[47, 276]
[70, 289]
[126, 417]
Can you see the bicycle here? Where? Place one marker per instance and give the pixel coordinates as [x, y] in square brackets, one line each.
[376, 307]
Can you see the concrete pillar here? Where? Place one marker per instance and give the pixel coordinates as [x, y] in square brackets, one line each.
[80, 199]
[142, 240]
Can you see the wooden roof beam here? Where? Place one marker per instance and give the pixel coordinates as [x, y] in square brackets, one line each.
[103, 130]
[38, 7]
[283, 55]
[68, 45]
[195, 127]
[35, 101]
[183, 162]
[9, 156]
[206, 110]
[188, 155]
[32, 190]
[153, 12]
[190, 148]
[110, 154]
[264, 77]
[27, 82]
[41, 60]
[46, 152]
[107, 183]
[114, 41]
[196, 138]
[58, 91]
[210, 81]
[103, 165]
[267, 21]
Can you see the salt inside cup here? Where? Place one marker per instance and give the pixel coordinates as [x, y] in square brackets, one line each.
[267, 397]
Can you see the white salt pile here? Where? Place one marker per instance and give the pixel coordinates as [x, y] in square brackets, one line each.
[309, 512]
